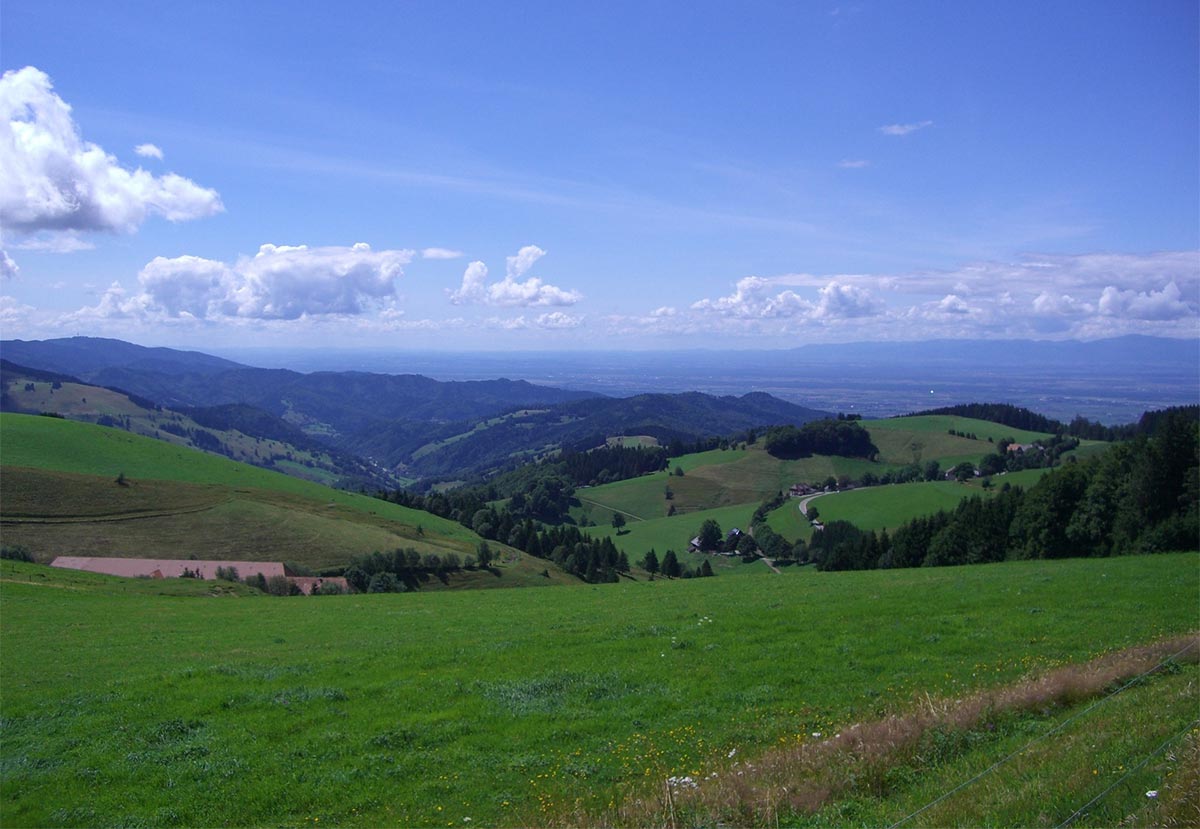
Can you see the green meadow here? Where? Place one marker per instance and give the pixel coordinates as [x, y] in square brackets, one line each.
[140, 703]
[873, 508]
[924, 438]
[661, 534]
[943, 424]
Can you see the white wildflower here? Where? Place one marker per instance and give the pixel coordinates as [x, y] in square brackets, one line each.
[1152, 793]
[681, 782]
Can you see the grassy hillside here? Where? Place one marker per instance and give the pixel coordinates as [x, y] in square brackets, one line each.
[924, 438]
[942, 424]
[60, 496]
[713, 479]
[429, 709]
[674, 533]
[873, 508]
[730, 484]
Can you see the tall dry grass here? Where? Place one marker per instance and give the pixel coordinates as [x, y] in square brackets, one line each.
[860, 759]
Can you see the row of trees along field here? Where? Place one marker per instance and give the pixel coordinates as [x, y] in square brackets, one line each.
[405, 569]
[1140, 496]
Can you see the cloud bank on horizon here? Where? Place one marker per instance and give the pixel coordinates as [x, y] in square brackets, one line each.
[875, 231]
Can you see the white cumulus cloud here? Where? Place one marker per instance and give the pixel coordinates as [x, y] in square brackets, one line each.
[511, 291]
[1048, 304]
[149, 151]
[474, 285]
[752, 298]
[53, 180]
[840, 301]
[280, 282]
[1165, 304]
[755, 297]
[557, 320]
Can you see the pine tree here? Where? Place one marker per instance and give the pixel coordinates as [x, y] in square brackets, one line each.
[650, 562]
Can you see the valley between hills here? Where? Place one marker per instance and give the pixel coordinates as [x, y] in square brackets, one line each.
[755, 613]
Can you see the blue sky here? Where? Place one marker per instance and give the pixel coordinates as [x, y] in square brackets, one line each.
[617, 175]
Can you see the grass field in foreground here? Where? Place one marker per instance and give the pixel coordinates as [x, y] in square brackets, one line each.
[510, 707]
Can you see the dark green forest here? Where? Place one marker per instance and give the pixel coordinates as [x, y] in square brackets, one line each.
[821, 437]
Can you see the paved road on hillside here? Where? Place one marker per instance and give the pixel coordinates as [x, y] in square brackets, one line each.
[804, 501]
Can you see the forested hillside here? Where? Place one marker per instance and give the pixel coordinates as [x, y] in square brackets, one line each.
[1140, 496]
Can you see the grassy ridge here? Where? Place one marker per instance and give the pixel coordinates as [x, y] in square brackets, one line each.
[60, 497]
[427, 709]
[904, 440]
[942, 424]
[89, 403]
[68, 446]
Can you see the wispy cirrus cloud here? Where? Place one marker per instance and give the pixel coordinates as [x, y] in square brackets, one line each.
[441, 253]
[904, 129]
[8, 268]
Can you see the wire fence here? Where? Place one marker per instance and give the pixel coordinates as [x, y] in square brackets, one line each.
[1058, 728]
[1082, 810]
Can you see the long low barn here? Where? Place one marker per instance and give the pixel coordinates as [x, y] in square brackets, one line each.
[166, 568]
[174, 568]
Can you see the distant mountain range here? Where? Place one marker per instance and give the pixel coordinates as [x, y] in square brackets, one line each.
[413, 425]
